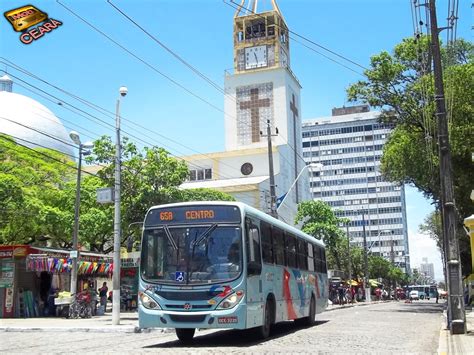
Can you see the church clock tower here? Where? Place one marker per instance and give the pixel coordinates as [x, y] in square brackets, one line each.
[263, 88]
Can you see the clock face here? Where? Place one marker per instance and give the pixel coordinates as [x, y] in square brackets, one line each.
[246, 169]
[255, 57]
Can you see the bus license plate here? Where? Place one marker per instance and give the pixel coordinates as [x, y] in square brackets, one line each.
[227, 320]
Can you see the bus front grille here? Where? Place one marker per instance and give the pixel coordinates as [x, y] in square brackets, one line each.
[189, 318]
[188, 296]
[194, 306]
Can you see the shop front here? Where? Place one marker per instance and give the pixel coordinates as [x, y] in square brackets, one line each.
[31, 277]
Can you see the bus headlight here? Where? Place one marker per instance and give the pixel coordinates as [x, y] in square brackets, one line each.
[148, 302]
[231, 301]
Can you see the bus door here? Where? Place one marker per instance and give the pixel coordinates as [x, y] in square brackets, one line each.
[255, 300]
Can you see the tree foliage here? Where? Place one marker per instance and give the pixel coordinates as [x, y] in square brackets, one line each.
[30, 182]
[320, 221]
[401, 84]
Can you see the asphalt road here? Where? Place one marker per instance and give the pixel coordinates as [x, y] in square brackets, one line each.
[388, 328]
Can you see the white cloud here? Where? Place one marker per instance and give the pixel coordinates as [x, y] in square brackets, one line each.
[422, 246]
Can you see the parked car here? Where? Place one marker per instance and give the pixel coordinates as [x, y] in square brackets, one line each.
[414, 295]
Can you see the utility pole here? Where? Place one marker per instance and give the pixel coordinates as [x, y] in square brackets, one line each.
[456, 312]
[273, 208]
[366, 263]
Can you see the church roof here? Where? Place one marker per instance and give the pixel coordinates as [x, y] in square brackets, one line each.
[32, 124]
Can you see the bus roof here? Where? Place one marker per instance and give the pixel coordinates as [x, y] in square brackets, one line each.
[244, 207]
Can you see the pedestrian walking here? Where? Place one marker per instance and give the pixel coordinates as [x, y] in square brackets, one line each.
[103, 295]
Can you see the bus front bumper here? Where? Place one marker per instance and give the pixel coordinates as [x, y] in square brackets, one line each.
[233, 318]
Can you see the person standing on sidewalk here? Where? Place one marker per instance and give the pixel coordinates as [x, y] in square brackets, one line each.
[353, 294]
[341, 293]
[103, 295]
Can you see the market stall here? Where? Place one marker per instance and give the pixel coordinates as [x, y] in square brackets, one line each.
[32, 277]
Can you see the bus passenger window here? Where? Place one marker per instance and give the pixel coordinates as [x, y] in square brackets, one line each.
[310, 257]
[302, 255]
[253, 244]
[290, 249]
[279, 243]
[267, 247]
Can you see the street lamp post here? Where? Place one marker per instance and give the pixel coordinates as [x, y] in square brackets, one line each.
[366, 263]
[309, 166]
[75, 253]
[116, 272]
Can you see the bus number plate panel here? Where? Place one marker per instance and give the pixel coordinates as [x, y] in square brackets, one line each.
[227, 320]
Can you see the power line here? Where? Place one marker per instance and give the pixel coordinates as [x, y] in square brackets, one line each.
[159, 72]
[237, 6]
[174, 54]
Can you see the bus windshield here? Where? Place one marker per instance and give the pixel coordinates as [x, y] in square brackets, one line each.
[192, 254]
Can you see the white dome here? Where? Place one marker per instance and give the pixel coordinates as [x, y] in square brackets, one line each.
[25, 118]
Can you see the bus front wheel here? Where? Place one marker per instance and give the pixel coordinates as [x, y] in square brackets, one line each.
[185, 334]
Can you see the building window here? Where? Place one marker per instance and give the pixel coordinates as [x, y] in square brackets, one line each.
[200, 174]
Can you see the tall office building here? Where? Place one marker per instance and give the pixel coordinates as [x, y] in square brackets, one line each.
[349, 145]
[427, 269]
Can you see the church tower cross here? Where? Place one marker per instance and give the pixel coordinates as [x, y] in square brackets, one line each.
[254, 104]
[294, 110]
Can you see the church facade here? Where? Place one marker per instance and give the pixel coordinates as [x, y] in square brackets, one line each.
[262, 102]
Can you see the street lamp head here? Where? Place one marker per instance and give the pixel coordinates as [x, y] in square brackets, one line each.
[88, 145]
[75, 137]
[316, 166]
[123, 91]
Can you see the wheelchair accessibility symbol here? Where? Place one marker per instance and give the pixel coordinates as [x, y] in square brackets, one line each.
[179, 276]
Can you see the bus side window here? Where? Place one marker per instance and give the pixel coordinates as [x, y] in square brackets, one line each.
[267, 246]
[323, 262]
[253, 248]
[279, 243]
[310, 261]
[317, 258]
[302, 255]
[290, 250]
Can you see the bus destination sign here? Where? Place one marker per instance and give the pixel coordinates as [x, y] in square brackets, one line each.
[193, 214]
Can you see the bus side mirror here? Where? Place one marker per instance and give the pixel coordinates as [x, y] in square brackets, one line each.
[254, 268]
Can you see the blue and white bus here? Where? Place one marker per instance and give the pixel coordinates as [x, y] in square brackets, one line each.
[227, 265]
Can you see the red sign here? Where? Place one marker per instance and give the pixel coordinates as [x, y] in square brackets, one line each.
[11, 251]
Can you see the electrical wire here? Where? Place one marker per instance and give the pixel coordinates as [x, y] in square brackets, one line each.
[237, 6]
[167, 77]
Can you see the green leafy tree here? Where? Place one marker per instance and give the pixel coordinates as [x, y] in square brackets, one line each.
[319, 220]
[379, 267]
[30, 181]
[401, 85]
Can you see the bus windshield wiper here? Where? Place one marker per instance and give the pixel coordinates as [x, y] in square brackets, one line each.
[170, 237]
[204, 235]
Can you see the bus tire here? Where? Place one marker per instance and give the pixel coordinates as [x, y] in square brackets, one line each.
[264, 330]
[310, 320]
[185, 335]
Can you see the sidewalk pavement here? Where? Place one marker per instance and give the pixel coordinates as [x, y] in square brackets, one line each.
[459, 343]
[128, 324]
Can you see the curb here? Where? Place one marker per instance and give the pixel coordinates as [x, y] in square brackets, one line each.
[118, 329]
[72, 329]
